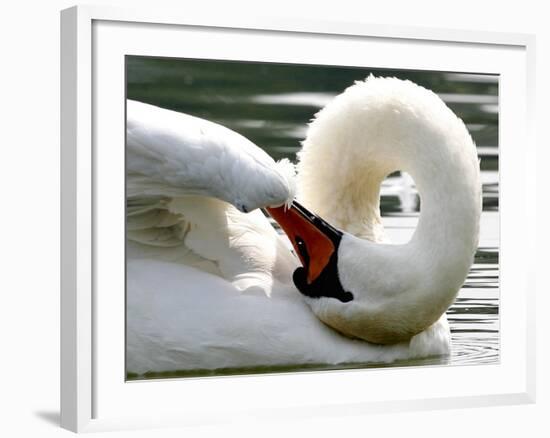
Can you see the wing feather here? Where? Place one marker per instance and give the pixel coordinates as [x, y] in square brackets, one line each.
[177, 165]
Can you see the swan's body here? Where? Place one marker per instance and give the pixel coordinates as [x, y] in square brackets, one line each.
[211, 287]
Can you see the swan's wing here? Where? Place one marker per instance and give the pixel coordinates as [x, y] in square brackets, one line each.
[177, 165]
[172, 154]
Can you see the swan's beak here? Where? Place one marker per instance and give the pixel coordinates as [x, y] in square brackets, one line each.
[315, 241]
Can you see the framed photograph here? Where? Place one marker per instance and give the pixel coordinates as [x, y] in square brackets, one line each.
[253, 208]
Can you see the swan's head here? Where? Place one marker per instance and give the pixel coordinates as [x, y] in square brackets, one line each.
[337, 289]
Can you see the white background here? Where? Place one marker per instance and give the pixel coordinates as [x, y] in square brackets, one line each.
[29, 185]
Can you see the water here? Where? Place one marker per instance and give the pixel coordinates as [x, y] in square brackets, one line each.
[271, 104]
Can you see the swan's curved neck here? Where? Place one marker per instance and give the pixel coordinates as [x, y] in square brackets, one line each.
[369, 132]
[447, 180]
[443, 165]
[447, 184]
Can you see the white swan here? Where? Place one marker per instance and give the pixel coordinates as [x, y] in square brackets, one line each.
[210, 286]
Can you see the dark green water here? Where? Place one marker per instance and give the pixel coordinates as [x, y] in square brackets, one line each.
[271, 105]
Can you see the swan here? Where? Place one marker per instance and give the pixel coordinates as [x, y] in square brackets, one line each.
[212, 285]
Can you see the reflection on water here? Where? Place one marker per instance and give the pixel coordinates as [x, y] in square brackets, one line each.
[271, 104]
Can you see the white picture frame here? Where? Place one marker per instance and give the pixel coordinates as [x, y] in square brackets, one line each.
[94, 395]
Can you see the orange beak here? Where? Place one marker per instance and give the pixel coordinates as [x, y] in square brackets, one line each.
[314, 240]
